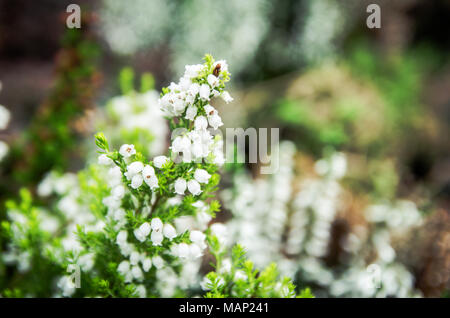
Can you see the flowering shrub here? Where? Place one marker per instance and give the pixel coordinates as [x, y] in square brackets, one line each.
[288, 219]
[138, 227]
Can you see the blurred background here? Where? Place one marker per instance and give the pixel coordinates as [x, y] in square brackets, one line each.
[364, 115]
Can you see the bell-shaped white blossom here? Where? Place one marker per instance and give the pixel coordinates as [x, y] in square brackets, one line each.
[121, 237]
[149, 176]
[180, 186]
[169, 231]
[136, 181]
[134, 168]
[118, 192]
[158, 261]
[181, 144]
[134, 258]
[194, 187]
[104, 160]
[182, 250]
[127, 150]
[142, 232]
[201, 123]
[191, 112]
[202, 176]
[226, 97]
[156, 224]
[198, 238]
[136, 272]
[215, 121]
[204, 92]
[160, 161]
[213, 80]
[195, 251]
[147, 264]
[156, 238]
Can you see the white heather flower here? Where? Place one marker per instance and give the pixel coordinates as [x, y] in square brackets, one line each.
[142, 232]
[156, 238]
[114, 176]
[119, 215]
[137, 181]
[215, 121]
[182, 250]
[149, 176]
[121, 237]
[156, 224]
[204, 92]
[134, 258]
[198, 238]
[213, 81]
[158, 262]
[191, 112]
[137, 272]
[146, 264]
[160, 161]
[202, 176]
[192, 71]
[127, 150]
[104, 160]
[227, 97]
[181, 144]
[210, 111]
[134, 168]
[180, 186]
[201, 123]
[118, 192]
[124, 268]
[195, 251]
[169, 231]
[194, 187]
[141, 291]
[219, 230]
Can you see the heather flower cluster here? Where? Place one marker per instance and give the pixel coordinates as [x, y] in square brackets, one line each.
[140, 227]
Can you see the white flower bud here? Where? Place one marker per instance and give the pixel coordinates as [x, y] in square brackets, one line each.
[158, 262]
[134, 168]
[180, 186]
[156, 238]
[213, 81]
[118, 192]
[215, 121]
[204, 91]
[183, 250]
[195, 251]
[156, 224]
[146, 264]
[194, 187]
[227, 97]
[104, 160]
[137, 181]
[169, 231]
[121, 237]
[191, 112]
[202, 176]
[201, 123]
[160, 161]
[134, 258]
[137, 273]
